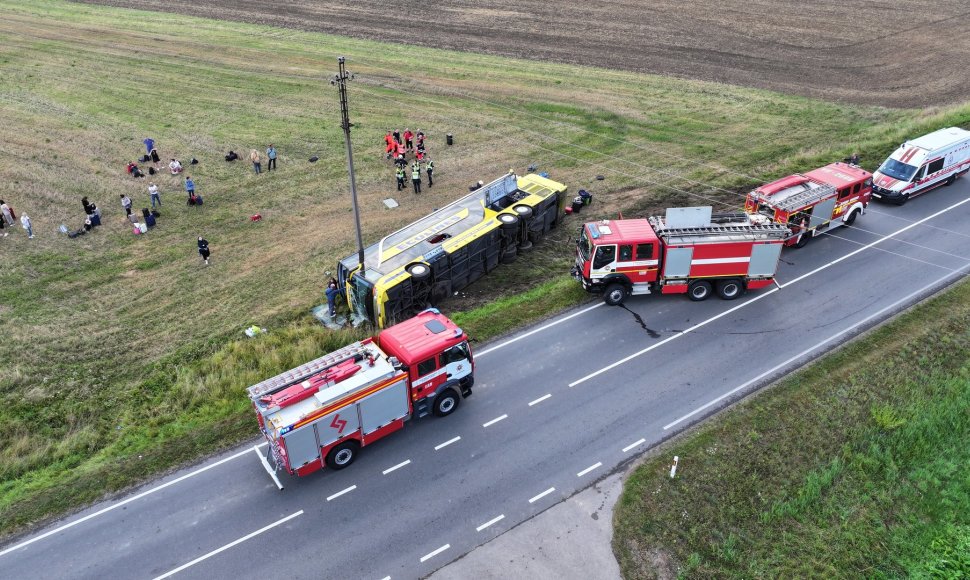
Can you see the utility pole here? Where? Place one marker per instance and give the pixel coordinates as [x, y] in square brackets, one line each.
[340, 79]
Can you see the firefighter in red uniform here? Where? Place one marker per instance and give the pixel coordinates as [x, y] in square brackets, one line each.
[408, 139]
[389, 142]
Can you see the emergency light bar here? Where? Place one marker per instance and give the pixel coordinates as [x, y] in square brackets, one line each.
[594, 231]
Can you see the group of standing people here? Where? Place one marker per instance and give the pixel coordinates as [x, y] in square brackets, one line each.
[398, 145]
[8, 217]
[257, 160]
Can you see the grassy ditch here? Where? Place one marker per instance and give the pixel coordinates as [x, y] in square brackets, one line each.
[114, 346]
[854, 467]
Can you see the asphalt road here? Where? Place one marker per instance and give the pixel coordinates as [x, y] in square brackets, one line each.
[555, 408]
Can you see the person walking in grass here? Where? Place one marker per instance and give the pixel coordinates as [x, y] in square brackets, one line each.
[149, 145]
[400, 178]
[154, 195]
[429, 169]
[126, 203]
[26, 223]
[254, 157]
[271, 156]
[416, 177]
[204, 249]
[408, 139]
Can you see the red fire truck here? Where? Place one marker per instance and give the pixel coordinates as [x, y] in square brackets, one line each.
[808, 204]
[691, 250]
[324, 411]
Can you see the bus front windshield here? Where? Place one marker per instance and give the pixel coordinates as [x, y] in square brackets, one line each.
[897, 170]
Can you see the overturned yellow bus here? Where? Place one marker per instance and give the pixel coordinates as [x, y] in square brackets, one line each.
[449, 249]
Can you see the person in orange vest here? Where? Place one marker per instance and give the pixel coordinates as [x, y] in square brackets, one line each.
[390, 146]
[400, 149]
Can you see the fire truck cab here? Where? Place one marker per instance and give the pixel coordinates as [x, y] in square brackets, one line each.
[322, 412]
[689, 251]
[809, 204]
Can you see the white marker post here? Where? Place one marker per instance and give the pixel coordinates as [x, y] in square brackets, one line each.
[673, 468]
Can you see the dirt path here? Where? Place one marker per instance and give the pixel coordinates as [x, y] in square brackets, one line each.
[862, 51]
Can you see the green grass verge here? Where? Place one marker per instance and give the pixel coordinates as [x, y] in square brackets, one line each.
[854, 467]
[114, 346]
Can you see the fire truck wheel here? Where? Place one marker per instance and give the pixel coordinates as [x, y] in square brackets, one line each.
[851, 219]
[446, 403]
[419, 271]
[524, 211]
[509, 221]
[729, 289]
[614, 295]
[699, 290]
[342, 455]
[803, 239]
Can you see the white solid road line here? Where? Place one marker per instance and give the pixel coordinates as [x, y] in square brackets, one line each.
[490, 522]
[540, 329]
[398, 466]
[125, 501]
[590, 468]
[340, 493]
[542, 495]
[495, 420]
[814, 347]
[674, 337]
[540, 399]
[871, 244]
[768, 293]
[634, 444]
[430, 555]
[229, 545]
[446, 443]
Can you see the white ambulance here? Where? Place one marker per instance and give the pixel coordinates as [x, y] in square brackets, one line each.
[923, 164]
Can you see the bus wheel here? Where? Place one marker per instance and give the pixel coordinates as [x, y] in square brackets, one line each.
[509, 255]
[524, 211]
[615, 294]
[446, 403]
[419, 271]
[729, 289]
[699, 290]
[342, 455]
[509, 221]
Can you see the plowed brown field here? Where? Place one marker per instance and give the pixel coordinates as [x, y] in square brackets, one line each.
[885, 52]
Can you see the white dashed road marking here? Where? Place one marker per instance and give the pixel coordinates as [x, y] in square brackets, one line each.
[340, 493]
[632, 445]
[430, 555]
[540, 399]
[446, 443]
[398, 466]
[590, 468]
[490, 522]
[495, 420]
[542, 495]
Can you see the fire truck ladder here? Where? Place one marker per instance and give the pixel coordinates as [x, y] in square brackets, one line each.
[270, 386]
[810, 196]
[719, 232]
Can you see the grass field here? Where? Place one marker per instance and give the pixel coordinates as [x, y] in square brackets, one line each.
[854, 467]
[122, 356]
